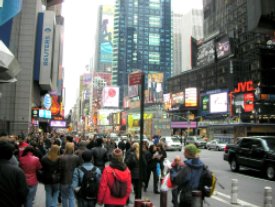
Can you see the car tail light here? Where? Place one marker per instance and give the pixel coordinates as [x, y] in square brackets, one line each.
[225, 149]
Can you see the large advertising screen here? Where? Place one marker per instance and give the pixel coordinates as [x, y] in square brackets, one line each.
[243, 102]
[206, 53]
[191, 97]
[106, 33]
[223, 47]
[155, 87]
[167, 101]
[110, 96]
[177, 100]
[219, 102]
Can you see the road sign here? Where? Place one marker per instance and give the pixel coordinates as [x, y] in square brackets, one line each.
[135, 78]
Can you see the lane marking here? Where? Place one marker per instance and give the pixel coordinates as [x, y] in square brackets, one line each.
[221, 200]
[240, 202]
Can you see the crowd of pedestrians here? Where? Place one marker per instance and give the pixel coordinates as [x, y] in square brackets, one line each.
[65, 166]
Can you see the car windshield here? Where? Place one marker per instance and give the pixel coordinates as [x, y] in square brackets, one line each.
[221, 142]
[270, 143]
[175, 139]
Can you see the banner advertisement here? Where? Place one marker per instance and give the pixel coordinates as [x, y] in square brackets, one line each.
[106, 34]
[110, 96]
[177, 100]
[155, 87]
[167, 101]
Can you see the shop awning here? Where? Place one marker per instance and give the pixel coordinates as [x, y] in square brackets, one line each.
[9, 66]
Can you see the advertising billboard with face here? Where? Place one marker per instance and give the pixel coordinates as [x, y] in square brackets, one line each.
[110, 96]
[106, 34]
[191, 97]
[206, 53]
[155, 87]
[219, 102]
[223, 47]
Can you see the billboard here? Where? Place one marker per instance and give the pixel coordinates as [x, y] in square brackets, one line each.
[243, 102]
[191, 97]
[219, 102]
[223, 47]
[58, 123]
[206, 53]
[177, 100]
[102, 79]
[46, 58]
[110, 96]
[167, 101]
[106, 34]
[155, 87]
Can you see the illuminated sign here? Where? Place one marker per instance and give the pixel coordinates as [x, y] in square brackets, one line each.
[110, 96]
[58, 124]
[47, 101]
[244, 87]
[191, 97]
[218, 103]
[45, 114]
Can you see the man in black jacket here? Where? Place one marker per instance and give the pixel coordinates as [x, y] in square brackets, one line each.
[13, 186]
[99, 154]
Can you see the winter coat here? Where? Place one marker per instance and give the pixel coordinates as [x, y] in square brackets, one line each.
[133, 164]
[13, 186]
[30, 165]
[107, 179]
[99, 156]
[49, 168]
[68, 163]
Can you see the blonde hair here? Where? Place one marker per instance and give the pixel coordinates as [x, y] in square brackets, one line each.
[136, 148]
[69, 148]
[54, 152]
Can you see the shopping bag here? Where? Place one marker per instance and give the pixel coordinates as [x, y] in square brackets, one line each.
[166, 183]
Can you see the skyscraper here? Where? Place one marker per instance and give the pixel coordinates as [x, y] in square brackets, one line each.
[142, 39]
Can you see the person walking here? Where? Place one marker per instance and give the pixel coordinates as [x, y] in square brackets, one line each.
[132, 161]
[188, 178]
[116, 170]
[13, 186]
[78, 180]
[99, 154]
[30, 164]
[68, 162]
[50, 167]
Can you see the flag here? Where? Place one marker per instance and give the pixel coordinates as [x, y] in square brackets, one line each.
[10, 9]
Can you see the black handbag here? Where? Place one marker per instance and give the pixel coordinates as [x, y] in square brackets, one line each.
[40, 176]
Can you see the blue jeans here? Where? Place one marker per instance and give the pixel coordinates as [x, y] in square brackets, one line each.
[67, 195]
[31, 195]
[52, 192]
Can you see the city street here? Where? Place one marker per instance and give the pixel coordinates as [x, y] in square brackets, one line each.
[251, 184]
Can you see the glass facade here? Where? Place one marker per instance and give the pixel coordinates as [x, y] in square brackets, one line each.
[142, 39]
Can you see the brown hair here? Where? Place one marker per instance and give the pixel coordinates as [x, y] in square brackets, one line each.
[69, 148]
[136, 148]
[54, 152]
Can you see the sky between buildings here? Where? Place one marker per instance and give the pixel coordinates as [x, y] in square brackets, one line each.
[79, 39]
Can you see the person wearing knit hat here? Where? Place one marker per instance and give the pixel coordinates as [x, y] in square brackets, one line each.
[189, 176]
[191, 151]
[116, 170]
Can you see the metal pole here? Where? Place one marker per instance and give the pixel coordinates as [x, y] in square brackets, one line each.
[139, 194]
[234, 191]
[267, 197]
[163, 198]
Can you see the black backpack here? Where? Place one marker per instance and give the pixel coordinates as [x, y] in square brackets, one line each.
[119, 188]
[207, 182]
[89, 184]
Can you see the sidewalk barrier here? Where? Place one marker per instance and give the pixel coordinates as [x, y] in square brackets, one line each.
[267, 197]
[163, 198]
[197, 198]
[234, 191]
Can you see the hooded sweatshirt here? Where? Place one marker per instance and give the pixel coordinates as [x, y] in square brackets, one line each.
[123, 174]
[189, 176]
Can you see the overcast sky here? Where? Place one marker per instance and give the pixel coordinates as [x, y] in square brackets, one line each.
[79, 37]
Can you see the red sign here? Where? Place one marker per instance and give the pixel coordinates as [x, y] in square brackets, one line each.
[244, 87]
[135, 78]
[248, 102]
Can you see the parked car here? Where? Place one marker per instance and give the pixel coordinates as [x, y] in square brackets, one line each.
[171, 143]
[145, 139]
[196, 140]
[215, 144]
[256, 152]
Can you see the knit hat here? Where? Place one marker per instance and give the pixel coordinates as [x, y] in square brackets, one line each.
[117, 154]
[191, 151]
[87, 156]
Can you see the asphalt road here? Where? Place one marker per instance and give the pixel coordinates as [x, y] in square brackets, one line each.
[251, 184]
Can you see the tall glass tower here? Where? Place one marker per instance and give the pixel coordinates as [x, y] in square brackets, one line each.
[142, 40]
